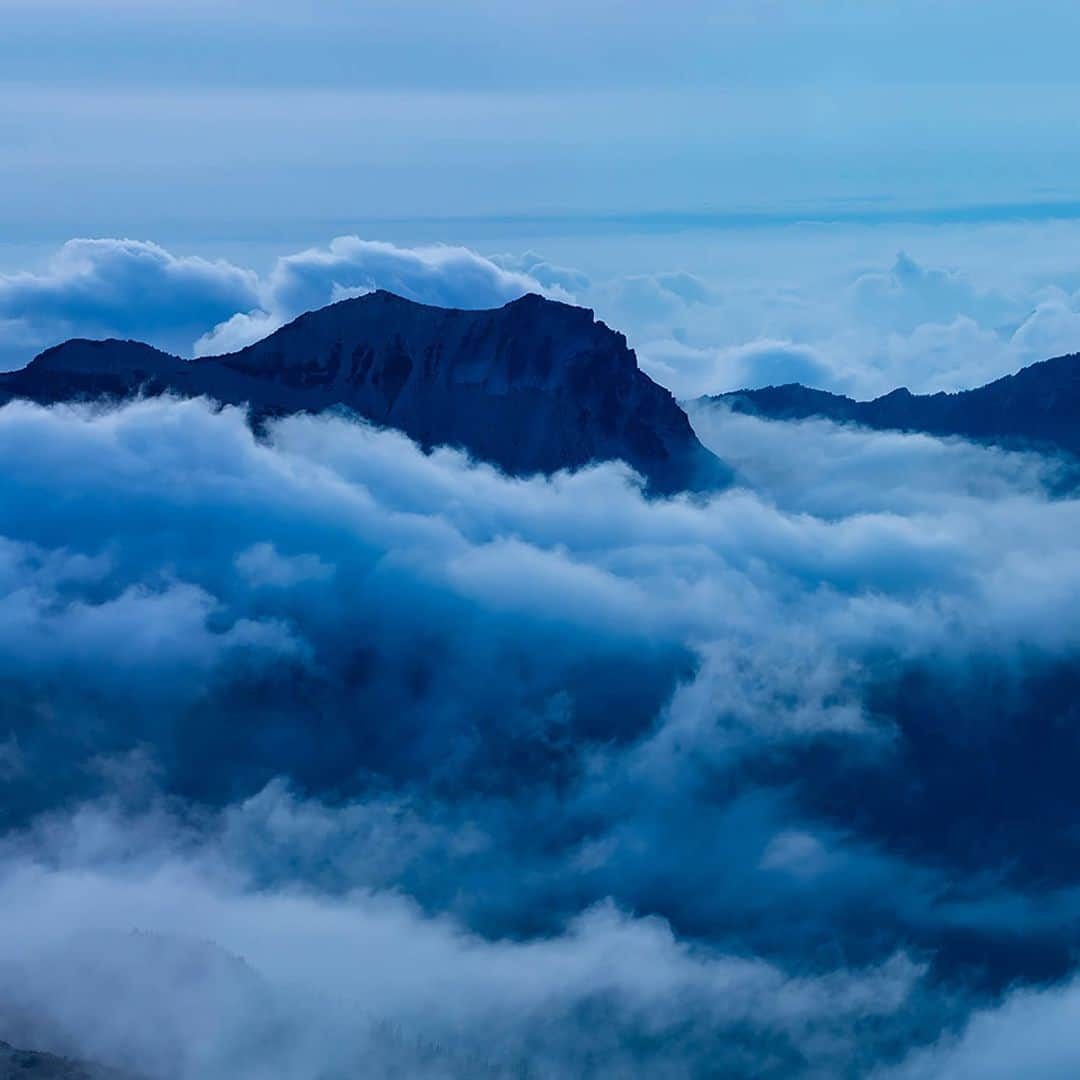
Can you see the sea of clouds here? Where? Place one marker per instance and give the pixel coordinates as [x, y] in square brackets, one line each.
[322, 756]
[325, 757]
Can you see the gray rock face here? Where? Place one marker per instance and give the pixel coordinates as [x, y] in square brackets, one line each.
[534, 386]
[1039, 407]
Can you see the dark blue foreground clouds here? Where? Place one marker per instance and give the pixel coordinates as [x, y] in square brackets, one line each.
[322, 756]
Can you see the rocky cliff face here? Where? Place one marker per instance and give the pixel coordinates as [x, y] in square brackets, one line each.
[1039, 406]
[534, 386]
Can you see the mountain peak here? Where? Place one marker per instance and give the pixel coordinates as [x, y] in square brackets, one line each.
[534, 386]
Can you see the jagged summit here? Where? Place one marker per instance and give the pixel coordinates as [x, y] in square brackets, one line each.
[533, 386]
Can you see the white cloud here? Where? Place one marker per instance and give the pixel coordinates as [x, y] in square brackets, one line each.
[909, 295]
[1032, 1033]
[501, 702]
[443, 276]
[571, 281]
[908, 324]
[125, 288]
[120, 288]
[691, 372]
[237, 331]
[174, 969]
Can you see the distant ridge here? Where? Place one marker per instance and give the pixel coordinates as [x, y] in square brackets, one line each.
[1037, 407]
[533, 387]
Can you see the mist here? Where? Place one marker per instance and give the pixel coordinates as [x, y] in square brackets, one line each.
[323, 751]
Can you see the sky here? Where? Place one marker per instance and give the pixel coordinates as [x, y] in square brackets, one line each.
[321, 754]
[259, 120]
[809, 172]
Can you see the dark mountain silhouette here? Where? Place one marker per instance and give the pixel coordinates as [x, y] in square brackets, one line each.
[1038, 407]
[534, 386]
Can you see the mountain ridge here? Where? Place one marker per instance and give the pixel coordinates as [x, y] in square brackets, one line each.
[1037, 406]
[534, 386]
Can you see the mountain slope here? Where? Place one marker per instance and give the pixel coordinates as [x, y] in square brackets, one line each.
[534, 386]
[1038, 406]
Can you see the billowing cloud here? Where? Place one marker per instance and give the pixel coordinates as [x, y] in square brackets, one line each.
[527, 772]
[453, 277]
[1031, 1033]
[909, 294]
[186, 304]
[1051, 329]
[691, 372]
[235, 332]
[119, 288]
[908, 324]
[649, 298]
[444, 276]
[551, 276]
[176, 969]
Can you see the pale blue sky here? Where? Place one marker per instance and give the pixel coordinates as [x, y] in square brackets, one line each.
[784, 153]
[257, 119]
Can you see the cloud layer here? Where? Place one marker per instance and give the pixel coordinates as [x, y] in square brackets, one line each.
[465, 773]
